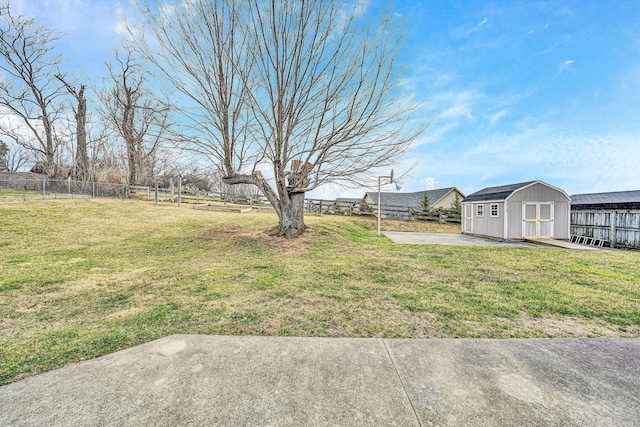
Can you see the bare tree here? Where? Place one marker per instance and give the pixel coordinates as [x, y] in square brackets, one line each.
[28, 91]
[4, 151]
[12, 158]
[4, 157]
[81, 164]
[139, 117]
[286, 95]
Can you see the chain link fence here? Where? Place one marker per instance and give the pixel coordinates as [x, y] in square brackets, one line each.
[29, 186]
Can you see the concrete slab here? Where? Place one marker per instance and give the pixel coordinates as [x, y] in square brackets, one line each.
[222, 381]
[278, 381]
[523, 382]
[415, 238]
[564, 244]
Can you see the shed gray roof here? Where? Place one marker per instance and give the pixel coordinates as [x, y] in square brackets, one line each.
[495, 193]
[410, 199]
[616, 197]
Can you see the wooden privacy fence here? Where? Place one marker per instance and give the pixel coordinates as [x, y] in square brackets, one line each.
[620, 228]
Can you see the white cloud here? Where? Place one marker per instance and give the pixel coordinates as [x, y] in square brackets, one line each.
[460, 105]
[578, 163]
[354, 9]
[484, 21]
[565, 65]
[429, 183]
[495, 118]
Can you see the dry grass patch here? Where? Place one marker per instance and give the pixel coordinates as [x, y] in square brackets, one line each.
[417, 226]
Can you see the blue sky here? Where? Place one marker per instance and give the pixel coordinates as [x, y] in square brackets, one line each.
[519, 90]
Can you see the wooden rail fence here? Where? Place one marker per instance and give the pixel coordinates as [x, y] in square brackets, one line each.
[405, 213]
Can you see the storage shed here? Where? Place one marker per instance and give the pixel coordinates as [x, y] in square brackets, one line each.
[527, 210]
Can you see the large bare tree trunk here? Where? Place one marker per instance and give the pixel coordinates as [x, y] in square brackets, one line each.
[81, 165]
[289, 205]
[291, 219]
[49, 152]
[82, 158]
[133, 165]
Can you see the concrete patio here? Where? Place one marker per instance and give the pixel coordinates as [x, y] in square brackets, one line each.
[278, 381]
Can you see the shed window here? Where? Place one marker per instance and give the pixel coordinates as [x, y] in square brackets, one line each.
[494, 210]
[479, 210]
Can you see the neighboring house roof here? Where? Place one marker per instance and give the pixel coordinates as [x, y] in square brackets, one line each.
[618, 198]
[411, 199]
[502, 192]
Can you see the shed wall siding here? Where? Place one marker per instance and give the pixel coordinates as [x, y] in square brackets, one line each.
[561, 220]
[514, 230]
[538, 193]
[487, 225]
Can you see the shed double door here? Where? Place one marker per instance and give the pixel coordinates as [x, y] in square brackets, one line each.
[537, 219]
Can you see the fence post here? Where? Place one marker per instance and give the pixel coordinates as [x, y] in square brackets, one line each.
[156, 188]
[43, 188]
[613, 219]
[179, 190]
[68, 185]
[320, 207]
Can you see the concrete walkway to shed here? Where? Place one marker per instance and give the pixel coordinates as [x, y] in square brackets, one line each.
[416, 238]
[564, 244]
[197, 380]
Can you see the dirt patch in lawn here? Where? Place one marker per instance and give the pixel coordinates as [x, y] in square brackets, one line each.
[266, 236]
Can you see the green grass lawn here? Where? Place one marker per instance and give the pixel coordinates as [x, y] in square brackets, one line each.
[12, 195]
[82, 278]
